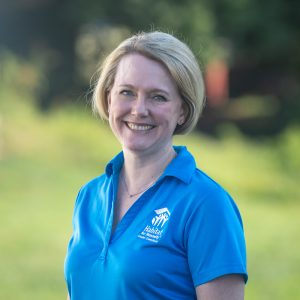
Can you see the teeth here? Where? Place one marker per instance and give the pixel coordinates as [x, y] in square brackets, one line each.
[139, 127]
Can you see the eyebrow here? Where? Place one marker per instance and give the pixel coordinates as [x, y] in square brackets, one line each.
[152, 90]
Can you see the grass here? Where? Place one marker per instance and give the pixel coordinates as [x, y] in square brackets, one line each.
[44, 159]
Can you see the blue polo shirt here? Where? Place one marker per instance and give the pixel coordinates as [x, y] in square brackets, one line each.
[182, 232]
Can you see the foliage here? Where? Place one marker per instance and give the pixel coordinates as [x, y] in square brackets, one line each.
[257, 40]
[264, 32]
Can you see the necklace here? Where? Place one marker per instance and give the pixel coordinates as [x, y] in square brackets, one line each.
[145, 188]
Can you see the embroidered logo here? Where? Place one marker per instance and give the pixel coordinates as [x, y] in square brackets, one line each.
[154, 230]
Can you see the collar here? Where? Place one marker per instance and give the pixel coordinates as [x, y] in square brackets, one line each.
[181, 167]
[115, 165]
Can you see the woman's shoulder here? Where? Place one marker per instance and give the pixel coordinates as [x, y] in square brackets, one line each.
[90, 191]
[206, 184]
[93, 184]
[186, 169]
[210, 195]
[94, 181]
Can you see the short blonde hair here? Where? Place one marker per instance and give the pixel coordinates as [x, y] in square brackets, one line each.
[175, 55]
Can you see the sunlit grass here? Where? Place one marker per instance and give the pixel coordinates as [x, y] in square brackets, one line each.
[45, 158]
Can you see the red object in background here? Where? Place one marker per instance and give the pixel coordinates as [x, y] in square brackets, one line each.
[216, 82]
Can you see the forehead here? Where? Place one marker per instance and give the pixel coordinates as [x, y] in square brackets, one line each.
[136, 69]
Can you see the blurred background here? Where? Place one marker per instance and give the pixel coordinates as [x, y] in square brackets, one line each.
[50, 143]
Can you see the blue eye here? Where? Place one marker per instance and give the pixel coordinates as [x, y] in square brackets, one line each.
[160, 98]
[126, 93]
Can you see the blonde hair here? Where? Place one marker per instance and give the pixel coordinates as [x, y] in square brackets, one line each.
[175, 55]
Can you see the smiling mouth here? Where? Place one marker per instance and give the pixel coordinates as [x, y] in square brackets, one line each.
[139, 127]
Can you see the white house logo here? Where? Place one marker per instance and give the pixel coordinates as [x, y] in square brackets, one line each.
[154, 230]
[162, 217]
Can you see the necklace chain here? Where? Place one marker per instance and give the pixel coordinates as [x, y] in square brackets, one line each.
[145, 188]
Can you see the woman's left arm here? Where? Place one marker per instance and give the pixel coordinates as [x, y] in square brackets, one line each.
[228, 287]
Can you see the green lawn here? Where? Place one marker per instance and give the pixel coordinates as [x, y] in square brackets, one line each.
[44, 159]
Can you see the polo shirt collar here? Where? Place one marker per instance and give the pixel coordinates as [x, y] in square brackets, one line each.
[181, 167]
[115, 165]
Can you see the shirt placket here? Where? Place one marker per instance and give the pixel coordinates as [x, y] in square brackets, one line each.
[127, 218]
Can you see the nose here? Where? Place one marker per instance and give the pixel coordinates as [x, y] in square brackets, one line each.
[139, 106]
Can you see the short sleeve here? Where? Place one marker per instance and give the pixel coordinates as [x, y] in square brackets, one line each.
[215, 239]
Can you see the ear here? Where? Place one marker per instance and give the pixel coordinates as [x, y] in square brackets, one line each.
[183, 114]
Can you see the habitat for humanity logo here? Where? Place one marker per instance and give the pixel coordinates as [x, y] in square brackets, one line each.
[154, 230]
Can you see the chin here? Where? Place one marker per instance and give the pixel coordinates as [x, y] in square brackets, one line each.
[135, 147]
[137, 143]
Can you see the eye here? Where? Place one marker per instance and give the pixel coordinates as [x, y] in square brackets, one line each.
[126, 92]
[160, 98]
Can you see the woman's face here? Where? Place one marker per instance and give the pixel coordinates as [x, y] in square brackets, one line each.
[144, 105]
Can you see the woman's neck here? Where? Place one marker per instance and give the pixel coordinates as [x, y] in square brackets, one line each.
[140, 170]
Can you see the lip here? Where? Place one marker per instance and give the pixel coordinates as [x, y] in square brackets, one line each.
[139, 126]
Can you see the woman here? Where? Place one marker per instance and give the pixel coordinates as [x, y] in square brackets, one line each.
[153, 226]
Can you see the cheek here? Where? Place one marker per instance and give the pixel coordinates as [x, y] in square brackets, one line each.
[172, 114]
[115, 108]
